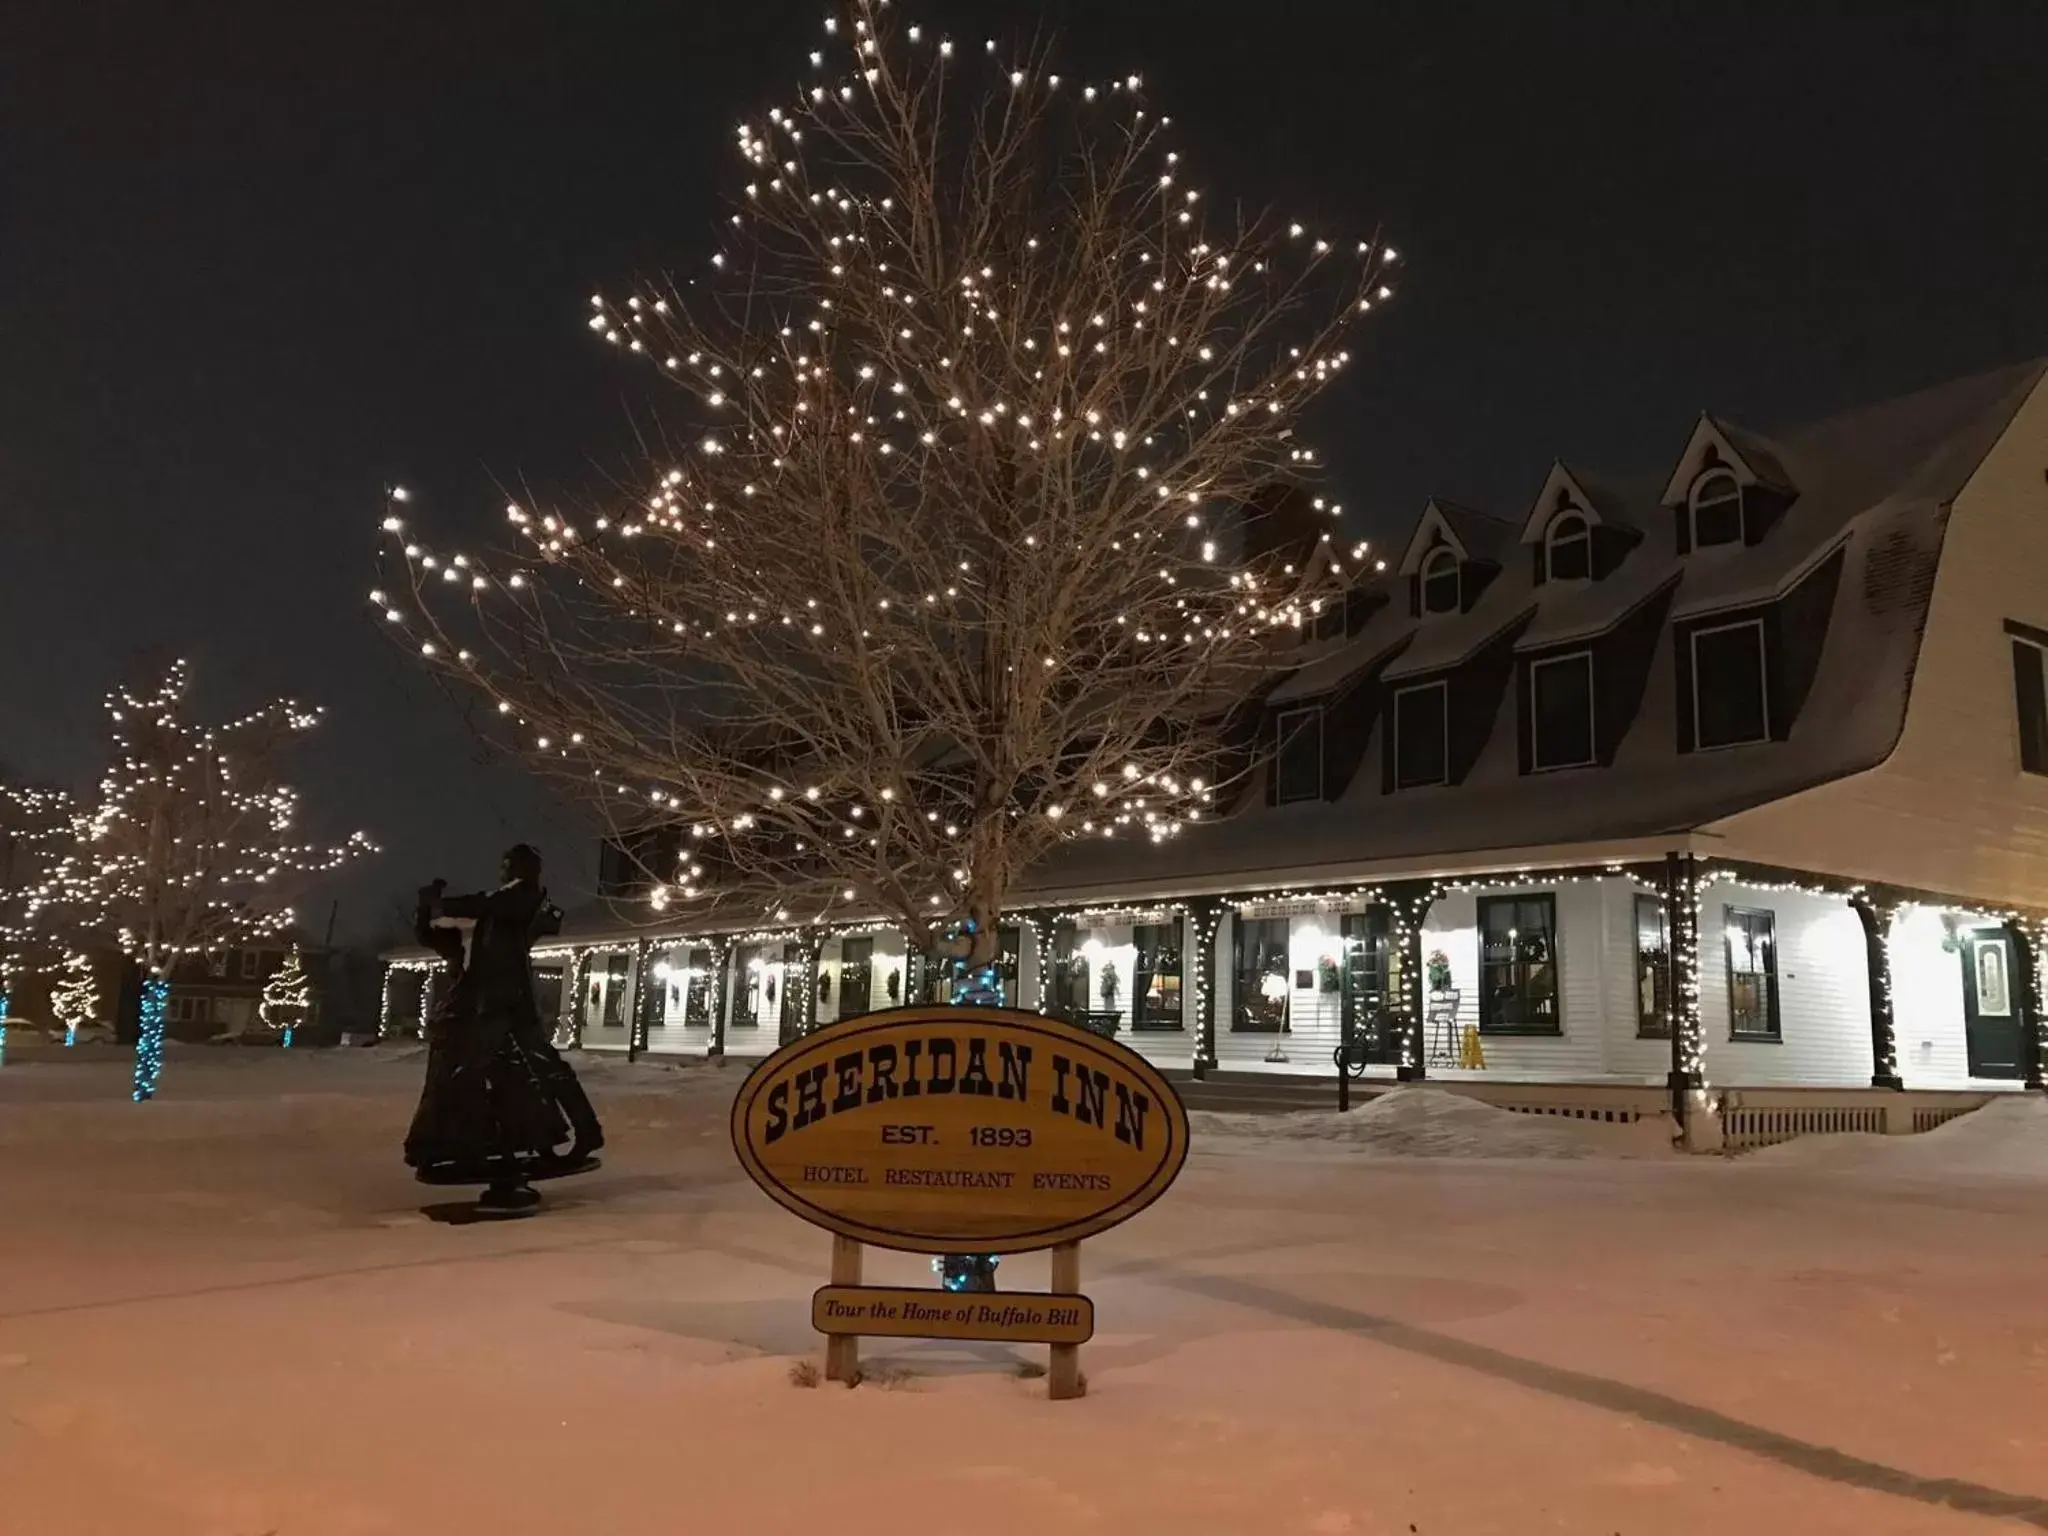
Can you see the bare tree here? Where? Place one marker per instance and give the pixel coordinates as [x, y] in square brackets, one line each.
[187, 846]
[963, 534]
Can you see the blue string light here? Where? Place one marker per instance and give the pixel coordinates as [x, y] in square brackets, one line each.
[3, 1026]
[149, 1044]
[982, 987]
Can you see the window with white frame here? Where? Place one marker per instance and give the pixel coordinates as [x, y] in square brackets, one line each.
[1518, 992]
[699, 981]
[1561, 712]
[1752, 938]
[2030, 698]
[1422, 751]
[749, 982]
[1730, 692]
[1568, 547]
[1716, 509]
[1298, 756]
[1653, 970]
[1442, 591]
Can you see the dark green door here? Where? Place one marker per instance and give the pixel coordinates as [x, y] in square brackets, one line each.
[1991, 1004]
[1365, 986]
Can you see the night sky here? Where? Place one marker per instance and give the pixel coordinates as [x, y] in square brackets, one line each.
[257, 261]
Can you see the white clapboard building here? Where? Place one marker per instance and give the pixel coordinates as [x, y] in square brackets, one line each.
[1732, 779]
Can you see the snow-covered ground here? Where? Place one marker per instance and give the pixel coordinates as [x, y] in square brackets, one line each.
[223, 1314]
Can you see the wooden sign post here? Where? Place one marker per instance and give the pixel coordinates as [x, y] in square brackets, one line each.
[959, 1130]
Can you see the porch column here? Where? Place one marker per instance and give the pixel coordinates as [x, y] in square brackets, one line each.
[804, 993]
[1876, 916]
[913, 971]
[643, 994]
[1688, 1034]
[579, 1000]
[721, 995]
[1041, 922]
[2027, 944]
[1207, 916]
[1410, 901]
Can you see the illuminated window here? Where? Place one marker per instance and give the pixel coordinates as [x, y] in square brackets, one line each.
[1518, 965]
[1653, 970]
[1752, 975]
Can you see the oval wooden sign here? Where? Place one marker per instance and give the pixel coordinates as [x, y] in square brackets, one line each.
[960, 1130]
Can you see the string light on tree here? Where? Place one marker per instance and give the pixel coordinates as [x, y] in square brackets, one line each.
[189, 843]
[287, 998]
[75, 999]
[990, 502]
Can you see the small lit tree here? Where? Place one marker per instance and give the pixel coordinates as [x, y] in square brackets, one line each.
[75, 999]
[287, 998]
[188, 846]
[962, 541]
[36, 833]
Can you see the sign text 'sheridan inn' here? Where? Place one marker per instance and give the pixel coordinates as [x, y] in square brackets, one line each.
[979, 1129]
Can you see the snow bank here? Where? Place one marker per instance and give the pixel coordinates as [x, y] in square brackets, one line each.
[1429, 1122]
[2006, 1139]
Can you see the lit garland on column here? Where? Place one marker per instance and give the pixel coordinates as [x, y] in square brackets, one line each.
[149, 1043]
[75, 1000]
[1042, 926]
[569, 1035]
[1685, 950]
[287, 998]
[645, 992]
[1208, 920]
[4, 995]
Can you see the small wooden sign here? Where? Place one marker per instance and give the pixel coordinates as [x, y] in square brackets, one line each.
[1005, 1317]
[960, 1130]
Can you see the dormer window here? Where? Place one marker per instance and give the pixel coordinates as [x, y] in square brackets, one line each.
[1716, 508]
[1441, 591]
[1568, 547]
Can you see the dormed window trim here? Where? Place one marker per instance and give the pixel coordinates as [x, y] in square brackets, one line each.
[1570, 512]
[1536, 664]
[1297, 714]
[1431, 567]
[1443, 686]
[1763, 663]
[1693, 498]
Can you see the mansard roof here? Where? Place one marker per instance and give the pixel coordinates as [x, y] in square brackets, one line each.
[1872, 485]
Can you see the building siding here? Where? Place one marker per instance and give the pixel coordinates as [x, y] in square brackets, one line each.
[1949, 811]
[1823, 992]
[1579, 944]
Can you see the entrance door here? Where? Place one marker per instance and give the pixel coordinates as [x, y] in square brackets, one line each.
[1367, 949]
[1991, 1007]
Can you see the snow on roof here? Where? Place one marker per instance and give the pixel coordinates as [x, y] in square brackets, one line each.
[1386, 631]
[1873, 483]
[1448, 639]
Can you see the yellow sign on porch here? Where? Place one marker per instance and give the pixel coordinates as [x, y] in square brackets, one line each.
[978, 1130]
